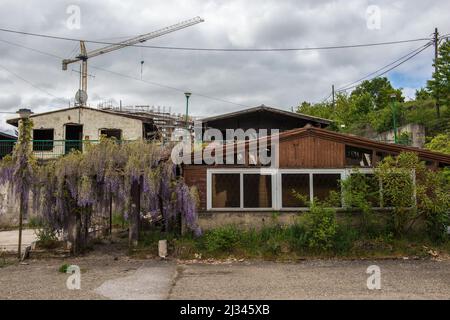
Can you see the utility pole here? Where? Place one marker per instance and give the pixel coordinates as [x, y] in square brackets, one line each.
[394, 117]
[188, 95]
[436, 54]
[332, 93]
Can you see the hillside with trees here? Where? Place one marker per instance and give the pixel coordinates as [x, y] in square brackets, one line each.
[371, 106]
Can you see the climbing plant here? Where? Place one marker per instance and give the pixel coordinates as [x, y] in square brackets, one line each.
[17, 170]
[73, 193]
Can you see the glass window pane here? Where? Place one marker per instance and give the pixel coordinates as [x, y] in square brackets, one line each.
[323, 184]
[225, 190]
[257, 191]
[290, 183]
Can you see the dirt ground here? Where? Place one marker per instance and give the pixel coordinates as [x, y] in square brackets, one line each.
[107, 273]
[9, 239]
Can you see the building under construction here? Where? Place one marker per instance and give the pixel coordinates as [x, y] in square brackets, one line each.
[162, 117]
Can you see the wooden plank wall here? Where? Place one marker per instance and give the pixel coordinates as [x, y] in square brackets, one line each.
[311, 152]
[195, 175]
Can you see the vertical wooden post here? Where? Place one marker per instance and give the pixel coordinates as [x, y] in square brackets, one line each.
[19, 249]
[135, 214]
[110, 214]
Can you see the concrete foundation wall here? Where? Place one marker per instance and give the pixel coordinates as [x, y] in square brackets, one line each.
[245, 220]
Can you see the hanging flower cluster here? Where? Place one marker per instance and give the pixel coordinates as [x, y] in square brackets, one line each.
[105, 173]
[17, 170]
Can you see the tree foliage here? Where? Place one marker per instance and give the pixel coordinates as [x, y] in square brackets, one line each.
[414, 193]
[439, 84]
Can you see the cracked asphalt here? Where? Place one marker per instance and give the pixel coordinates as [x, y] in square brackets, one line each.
[112, 275]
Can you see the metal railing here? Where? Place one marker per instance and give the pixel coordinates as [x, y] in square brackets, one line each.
[48, 149]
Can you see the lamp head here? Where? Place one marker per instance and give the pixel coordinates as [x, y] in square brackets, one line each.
[24, 113]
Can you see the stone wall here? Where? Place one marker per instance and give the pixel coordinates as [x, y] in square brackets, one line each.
[92, 120]
[416, 132]
[9, 208]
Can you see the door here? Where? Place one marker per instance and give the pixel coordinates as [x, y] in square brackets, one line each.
[74, 137]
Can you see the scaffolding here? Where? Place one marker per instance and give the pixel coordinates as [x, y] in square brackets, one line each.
[162, 116]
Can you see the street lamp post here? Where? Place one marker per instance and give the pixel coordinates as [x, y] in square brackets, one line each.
[394, 119]
[24, 115]
[188, 95]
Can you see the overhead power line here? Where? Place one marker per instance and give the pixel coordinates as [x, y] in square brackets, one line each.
[168, 87]
[32, 84]
[349, 85]
[117, 74]
[218, 49]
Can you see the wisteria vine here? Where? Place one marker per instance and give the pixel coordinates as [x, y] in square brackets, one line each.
[101, 174]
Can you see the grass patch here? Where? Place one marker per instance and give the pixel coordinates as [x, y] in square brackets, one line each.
[278, 242]
[63, 268]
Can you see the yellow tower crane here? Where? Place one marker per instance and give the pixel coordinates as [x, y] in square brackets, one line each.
[84, 55]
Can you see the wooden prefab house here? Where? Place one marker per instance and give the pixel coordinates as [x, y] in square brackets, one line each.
[312, 161]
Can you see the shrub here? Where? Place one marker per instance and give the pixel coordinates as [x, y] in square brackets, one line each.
[47, 237]
[344, 238]
[35, 222]
[321, 226]
[222, 239]
[415, 193]
[361, 193]
[63, 268]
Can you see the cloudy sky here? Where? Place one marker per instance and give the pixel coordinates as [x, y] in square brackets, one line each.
[279, 79]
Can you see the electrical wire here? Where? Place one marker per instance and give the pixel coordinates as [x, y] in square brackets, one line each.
[409, 57]
[382, 68]
[218, 49]
[168, 87]
[32, 84]
[125, 76]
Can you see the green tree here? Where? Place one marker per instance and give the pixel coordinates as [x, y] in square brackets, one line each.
[440, 143]
[439, 85]
[378, 93]
[422, 94]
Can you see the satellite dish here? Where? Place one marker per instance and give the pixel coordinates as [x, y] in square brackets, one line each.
[81, 97]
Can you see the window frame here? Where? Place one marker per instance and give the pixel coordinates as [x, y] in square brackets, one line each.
[241, 173]
[342, 172]
[276, 186]
[50, 147]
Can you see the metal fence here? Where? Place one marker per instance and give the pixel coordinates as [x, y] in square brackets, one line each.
[48, 149]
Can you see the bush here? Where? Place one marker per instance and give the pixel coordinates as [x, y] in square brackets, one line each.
[35, 222]
[47, 238]
[426, 197]
[222, 239]
[63, 268]
[361, 193]
[321, 226]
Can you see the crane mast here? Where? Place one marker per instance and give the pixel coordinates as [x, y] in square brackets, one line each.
[84, 55]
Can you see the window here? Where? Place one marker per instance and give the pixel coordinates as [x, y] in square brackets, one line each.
[298, 183]
[358, 157]
[112, 133]
[226, 190]
[257, 191]
[242, 189]
[324, 184]
[43, 139]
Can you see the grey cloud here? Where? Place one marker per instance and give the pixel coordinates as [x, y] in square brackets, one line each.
[279, 79]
